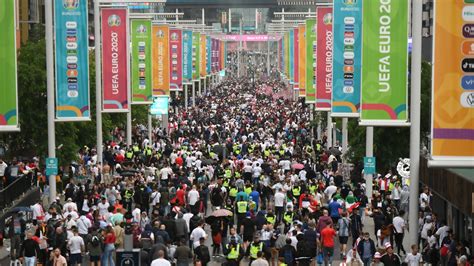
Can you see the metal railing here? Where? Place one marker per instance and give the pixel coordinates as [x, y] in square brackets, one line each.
[15, 189]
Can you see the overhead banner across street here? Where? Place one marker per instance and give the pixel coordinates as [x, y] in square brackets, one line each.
[115, 60]
[324, 59]
[161, 60]
[310, 60]
[72, 61]
[385, 63]
[141, 61]
[452, 123]
[8, 67]
[347, 30]
[176, 75]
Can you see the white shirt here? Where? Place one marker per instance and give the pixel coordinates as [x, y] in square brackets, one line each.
[165, 173]
[279, 199]
[413, 260]
[424, 200]
[83, 225]
[330, 190]
[103, 207]
[193, 196]
[37, 210]
[3, 166]
[196, 234]
[442, 233]
[285, 164]
[187, 217]
[155, 198]
[75, 244]
[160, 262]
[136, 213]
[398, 224]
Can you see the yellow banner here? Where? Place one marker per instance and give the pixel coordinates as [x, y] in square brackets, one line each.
[453, 82]
[161, 60]
[302, 60]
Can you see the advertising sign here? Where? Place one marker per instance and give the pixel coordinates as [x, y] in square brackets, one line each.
[176, 73]
[161, 60]
[51, 166]
[347, 29]
[195, 54]
[310, 31]
[202, 56]
[187, 56]
[209, 55]
[385, 61]
[452, 116]
[291, 58]
[71, 60]
[141, 61]
[324, 59]
[296, 61]
[302, 60]
[369, 165]
[160, 105]
[115, 60]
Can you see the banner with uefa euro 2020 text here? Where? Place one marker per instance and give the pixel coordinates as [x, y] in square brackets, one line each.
[452, 117]
[291, 52]
[310, 31]
[324, 59]
[141, 69]
[176, 75]
[187, 59]
[209, 55]
[286, 48]
[202, 56]
[196, 54]
[8, 67]
[385, 63]
[296, 59]
[161, 60]
[72, 61]
[302, 60]
[115, 60]
[347, 30]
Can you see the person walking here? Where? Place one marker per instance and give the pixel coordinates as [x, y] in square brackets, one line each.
[233, 252]
[390, 258]
[109, 247]
[399, 231]
[29, 251]
[202, 252]
[327, 242]
[343, 233]
[366, 249]
[76, 248]
[183, 254]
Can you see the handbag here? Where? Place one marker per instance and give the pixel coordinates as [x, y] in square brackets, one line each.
[320, 258]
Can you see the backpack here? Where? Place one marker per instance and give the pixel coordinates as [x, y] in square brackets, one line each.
[288, 256]
[205, 256]
[95, 241]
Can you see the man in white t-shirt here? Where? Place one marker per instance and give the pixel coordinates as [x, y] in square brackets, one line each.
[103, 206]
[165, 173]
[399, 230]
[280, 202]
[414, 257]
[197, 233]
[424, 199]
[330, 190]
[160, 261]
[76, 247]
[155, 198]
[83, 225]
[193, 198]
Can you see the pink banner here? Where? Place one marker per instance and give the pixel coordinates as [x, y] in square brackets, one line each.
[176, 57]
[115, 59]
[324, 59]
[250, 38]
[296, 60]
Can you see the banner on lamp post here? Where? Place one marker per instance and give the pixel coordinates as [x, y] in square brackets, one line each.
[324, 59]
[452, 101]
[202, 55]
[347, 30]
[302, 60]
[286, 54]
[187, 45]
[176, 75]
[384, 87]
[296, 61]
[115, 60]
[141, 34]
[208, 55]
[196, 55]
[310, 31]
[161, 60]
[72, 61]
[291, 52]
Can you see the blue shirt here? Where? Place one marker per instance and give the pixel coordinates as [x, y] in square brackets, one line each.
[255, 195]
[334, 207]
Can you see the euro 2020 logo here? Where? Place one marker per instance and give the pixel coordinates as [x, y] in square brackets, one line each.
[113, 20]
[70, 4]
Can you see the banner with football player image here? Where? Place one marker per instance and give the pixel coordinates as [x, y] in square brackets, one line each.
[141, 70]
[72, 60]
[115, 60]
[176, 73]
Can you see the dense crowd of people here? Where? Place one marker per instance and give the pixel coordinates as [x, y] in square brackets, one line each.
[242, 171]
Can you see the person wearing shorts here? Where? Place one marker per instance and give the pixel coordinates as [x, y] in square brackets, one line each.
[76, 247]
[327, 240]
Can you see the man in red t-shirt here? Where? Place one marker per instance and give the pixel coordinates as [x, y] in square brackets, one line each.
[327, 240]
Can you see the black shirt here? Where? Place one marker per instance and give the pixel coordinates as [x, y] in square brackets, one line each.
[30, 248]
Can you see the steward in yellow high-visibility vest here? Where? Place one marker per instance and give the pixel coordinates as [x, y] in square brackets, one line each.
[233, 252]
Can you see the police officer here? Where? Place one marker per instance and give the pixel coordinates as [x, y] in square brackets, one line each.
[234, 252]
[288, 218]
[296, 192]
[271, 218]
[241, 207]
[127, 198]
[254, 248]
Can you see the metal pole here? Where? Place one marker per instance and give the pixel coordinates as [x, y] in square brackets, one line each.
[205, 85]
[230, 21]
[164, 119]
[344, 135]
[186, 97]
[98, 80]
[129, 127]
[334, 134]
[199, 87]
[150, 127]
[415, 119]
[50, 94]
[369, 152]
[194, 93]
[203, 16]
[329, 131]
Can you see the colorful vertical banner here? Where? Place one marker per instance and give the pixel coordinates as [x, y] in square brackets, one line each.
[8, 68]
[347, 29]
[72, 61]
[115, 60]
[196, 54]
[291, 58]
[296, 61]
[141, 36]
[302, 60]
[208, 55]
[221, 55]
[161, 60]
[310, 31]
[176, 73]
[452, 119]
[324, 59]
[187, 58]
[385, 61]
[203, 56]
[281, 58]
[286, 54]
